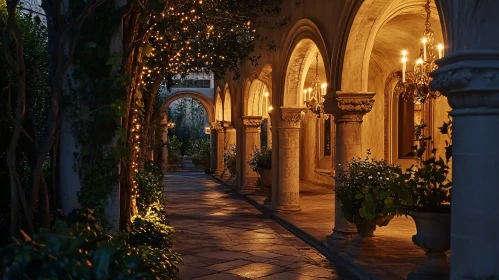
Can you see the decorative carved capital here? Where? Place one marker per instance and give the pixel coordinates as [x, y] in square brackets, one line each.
[469, 80]
[290, 118]
[352, 106]
[252, 121]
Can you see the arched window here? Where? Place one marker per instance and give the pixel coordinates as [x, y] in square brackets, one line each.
[405, 126]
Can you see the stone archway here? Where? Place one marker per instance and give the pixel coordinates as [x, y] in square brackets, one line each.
[207, 104]
[297, 129]
[255, 123]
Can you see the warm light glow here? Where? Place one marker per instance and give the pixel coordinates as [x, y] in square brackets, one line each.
[419, 61]
[404, 59]
[324, 85]
[271, 108]
[266, 94]
[440, 47]
[404, 53]
[425, 40]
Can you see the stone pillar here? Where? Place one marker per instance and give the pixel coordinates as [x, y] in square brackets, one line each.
[349, 111]
[213, 146]
[164, 141]
[251, 138]
[269, 132]
[288, 188]
[230, 140]
[308, 158]
[469, 76]
[220, 145]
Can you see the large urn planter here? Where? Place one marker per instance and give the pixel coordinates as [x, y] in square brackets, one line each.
[433, 235]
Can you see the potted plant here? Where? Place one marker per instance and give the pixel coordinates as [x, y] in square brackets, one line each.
[261, 162]
[363, 188]
[424, 193]
[230, 162]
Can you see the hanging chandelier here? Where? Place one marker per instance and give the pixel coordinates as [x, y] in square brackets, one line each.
[415, 85]
[314, 96]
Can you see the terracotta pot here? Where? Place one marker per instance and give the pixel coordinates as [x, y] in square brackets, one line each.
[433, 235]
[265, 177]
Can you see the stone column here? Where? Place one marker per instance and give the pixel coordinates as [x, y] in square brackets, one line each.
[469, 76]
[220, 145]
[230, 140]
[269, 132]
[251, 138]
[213, 146]
[288, 189]
[349, 111]
[308, 159]
[164, 141]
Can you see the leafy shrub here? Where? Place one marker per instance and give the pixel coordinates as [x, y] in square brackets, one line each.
[261, 159]
[363, 188]
[79, 248]
[230, 159]
[174, 145]
[201, 150]
[426, 187]
[150, 184]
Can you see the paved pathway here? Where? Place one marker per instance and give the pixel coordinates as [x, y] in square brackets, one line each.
[222, 237]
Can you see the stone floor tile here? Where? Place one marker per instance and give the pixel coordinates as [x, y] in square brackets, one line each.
[314, 271]
[287, 276]
[190, 272]
[264, 254]
[220, 276]
[223, 255]
[256, 270]
[228, 265]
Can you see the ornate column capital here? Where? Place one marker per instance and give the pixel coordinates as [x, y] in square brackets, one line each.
[290, 117]
[252, 121]
[352, 106]
[470, 81]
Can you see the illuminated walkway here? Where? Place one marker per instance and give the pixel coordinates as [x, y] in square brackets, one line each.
[220, 236]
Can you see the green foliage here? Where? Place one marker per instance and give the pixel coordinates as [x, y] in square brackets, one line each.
[150, 185]
[363, 188]
[201, 151]
[99, 179]
[34, 37]
[78, 247]
[425, 187]
[230, 159]
[190, 118]
[261, 159]
[174, 146]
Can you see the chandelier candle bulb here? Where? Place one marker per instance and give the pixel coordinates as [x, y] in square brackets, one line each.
[309, 93]
[323, 88]
[440, 51]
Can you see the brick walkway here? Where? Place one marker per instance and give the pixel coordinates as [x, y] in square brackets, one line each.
[222, 237]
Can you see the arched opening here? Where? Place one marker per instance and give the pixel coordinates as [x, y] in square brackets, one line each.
[227, 106]
[373, 63]
[183, 134]
[219, 113]
[306, 65]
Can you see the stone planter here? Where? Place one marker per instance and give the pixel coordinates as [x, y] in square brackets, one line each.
[266, 184]
[433, 235]
[364, 240]
[265, 177]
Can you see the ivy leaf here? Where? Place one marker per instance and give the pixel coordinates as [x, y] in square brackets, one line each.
[114, 60]
[388, 201]
[359, 196]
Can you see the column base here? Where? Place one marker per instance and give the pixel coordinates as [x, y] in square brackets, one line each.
[249, 186]
[218, 173]
[268, 201]
[339, 239]
[288, 208]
